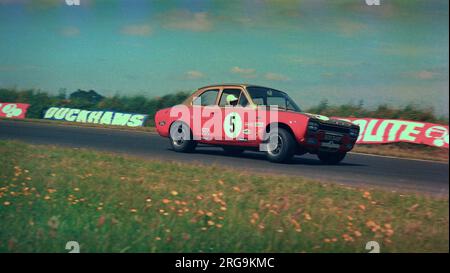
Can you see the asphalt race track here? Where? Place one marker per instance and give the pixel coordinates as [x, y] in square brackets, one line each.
[356, 169]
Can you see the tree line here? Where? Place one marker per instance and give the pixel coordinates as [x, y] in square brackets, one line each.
[407, 112]
[91, 100]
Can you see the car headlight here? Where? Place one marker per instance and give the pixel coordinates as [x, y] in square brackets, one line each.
[354, 132]
[313, 126]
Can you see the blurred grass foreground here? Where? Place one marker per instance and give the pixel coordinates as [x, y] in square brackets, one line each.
[114, 203]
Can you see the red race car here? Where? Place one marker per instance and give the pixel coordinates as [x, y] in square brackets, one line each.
[242, 117]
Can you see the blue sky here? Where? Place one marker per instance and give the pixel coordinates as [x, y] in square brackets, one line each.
[345, 51]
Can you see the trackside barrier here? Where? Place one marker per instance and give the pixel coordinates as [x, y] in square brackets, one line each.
[96, 117]
[13, 110]
[372, 130]
[379, 131]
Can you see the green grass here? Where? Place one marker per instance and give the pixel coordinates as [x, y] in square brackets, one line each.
[405, 150]
[111, 203]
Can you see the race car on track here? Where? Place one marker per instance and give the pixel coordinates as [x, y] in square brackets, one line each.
[241, 117]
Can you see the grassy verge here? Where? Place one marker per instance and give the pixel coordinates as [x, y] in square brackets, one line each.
[405, 150]
[110, 203]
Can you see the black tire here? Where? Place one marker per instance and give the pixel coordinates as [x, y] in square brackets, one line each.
[230, 150]
[331, 158]
[181, 139]
[285, 147]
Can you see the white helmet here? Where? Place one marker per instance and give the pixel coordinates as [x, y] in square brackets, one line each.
[231, 98]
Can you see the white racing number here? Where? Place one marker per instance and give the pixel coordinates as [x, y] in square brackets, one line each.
[232, 125]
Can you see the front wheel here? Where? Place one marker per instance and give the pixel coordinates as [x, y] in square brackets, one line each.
[181, 138]
[281, 146]
[331, 158]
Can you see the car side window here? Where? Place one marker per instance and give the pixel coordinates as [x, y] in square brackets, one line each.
[243, 101]
[207, 98]
[276, 101]
[227, 92]
[258, 101]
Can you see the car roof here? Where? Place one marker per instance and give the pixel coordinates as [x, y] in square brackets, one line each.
[234, 84]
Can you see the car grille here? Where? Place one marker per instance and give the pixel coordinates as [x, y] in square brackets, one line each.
[332, 137]
[331, 128]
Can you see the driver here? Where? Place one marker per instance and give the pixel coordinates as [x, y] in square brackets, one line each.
[232, 100]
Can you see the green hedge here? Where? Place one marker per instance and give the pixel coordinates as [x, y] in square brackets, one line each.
[40, 101]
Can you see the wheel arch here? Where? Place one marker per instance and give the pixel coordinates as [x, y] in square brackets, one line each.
[280, 125]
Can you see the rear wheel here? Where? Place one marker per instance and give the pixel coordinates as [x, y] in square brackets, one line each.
[181, 138]
[331, 158]
[233, 150]
[282, 146]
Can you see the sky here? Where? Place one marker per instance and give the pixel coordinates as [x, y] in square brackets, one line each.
[342, 50]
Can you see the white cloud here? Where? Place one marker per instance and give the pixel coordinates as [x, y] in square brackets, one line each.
[310, 61]
[187, 20]
[433, 74]
[349, 28]
[137, 30]
[70, 31]
[425, 75]
[245, 72]
[194, 74]
[275, 77]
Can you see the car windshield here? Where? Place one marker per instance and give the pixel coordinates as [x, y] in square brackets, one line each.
[264, 96]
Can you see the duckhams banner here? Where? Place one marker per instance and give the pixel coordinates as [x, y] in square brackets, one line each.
[378, 131]
[13, 110]
[97, 117]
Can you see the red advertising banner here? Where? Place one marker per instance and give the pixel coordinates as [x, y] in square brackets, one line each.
[377, 131]
[13, 110]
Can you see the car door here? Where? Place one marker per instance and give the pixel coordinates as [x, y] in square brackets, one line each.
[235, 118]
[205, 113]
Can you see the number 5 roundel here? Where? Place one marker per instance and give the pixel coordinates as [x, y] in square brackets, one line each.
[232, 125]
